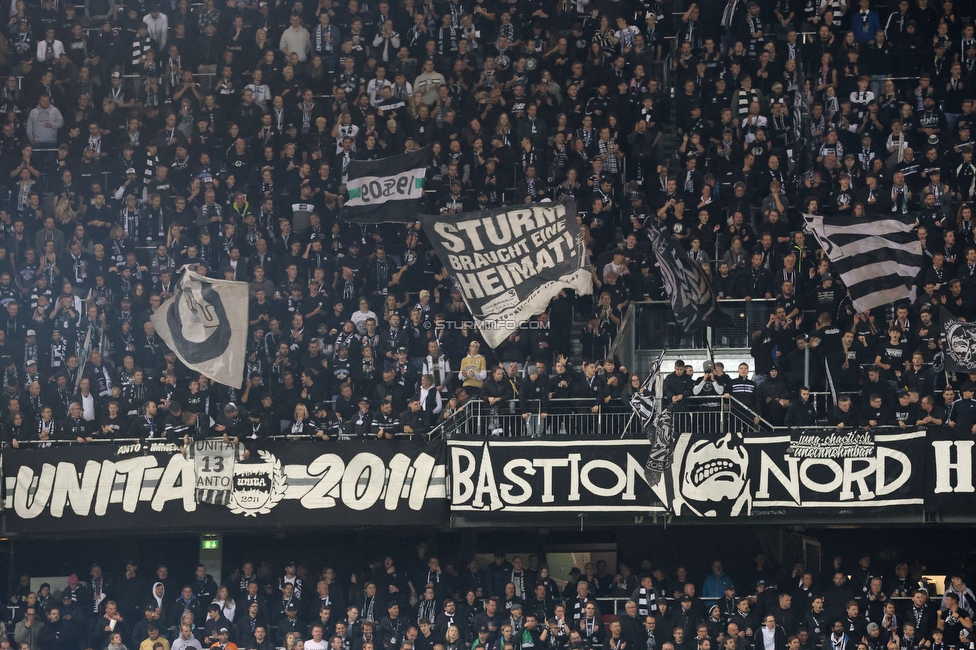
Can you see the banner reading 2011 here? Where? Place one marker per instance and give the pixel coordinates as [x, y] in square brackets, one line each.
[128, 486]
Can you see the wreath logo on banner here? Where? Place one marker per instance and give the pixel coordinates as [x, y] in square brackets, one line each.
[257, 488]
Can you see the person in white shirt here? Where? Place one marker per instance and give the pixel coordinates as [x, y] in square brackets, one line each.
[625, 34]
[158, 24]
[260, 90]
[316, 642]
[50, 49]
[375, 85]
[428, 82]
[296, 39]
[360, 317]
[87, 400]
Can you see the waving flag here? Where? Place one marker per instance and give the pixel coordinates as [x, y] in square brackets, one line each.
[205, 324]
[656, 424]
[877, 258]
[688, 287]
[958, 343]
[509, 263]
[386, 190]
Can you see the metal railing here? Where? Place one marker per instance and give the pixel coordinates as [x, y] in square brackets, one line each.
[564, 417]
[716, 413]
[726, 413]
[614, 605]
[43, 444]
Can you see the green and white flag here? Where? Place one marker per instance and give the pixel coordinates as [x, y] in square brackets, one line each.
[386, 190]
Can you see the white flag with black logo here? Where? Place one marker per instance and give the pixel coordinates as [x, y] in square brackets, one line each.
[205, 324]
[509, 263]
[877, 258]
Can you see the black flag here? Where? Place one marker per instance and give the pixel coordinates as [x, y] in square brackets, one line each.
[958, 343]
[386, 190]
[509, 263]
[688, 287]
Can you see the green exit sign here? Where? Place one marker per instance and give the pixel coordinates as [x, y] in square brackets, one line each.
[210, 544]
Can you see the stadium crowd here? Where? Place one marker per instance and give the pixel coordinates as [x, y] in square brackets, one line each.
[426, 605]
[219, 135]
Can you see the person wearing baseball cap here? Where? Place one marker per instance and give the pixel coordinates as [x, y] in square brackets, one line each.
[258, 427]
[223, 639]
[326, 424]
[361, 423]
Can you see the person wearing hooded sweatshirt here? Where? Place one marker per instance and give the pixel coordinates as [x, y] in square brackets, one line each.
[216, 621]
[157, 597]
[716, 622]
[72, 613]
[772, 400]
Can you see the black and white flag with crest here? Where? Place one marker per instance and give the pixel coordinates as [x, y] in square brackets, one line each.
[656, 424]
[958, 343]
[688, 287]
[205, 324]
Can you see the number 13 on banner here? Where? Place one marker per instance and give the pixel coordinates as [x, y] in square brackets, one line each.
[211, 464]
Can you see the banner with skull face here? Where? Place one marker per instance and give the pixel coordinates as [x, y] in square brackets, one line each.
[711, 477]
[815, 473]
[958, 343]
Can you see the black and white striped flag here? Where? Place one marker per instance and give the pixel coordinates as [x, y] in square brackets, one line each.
[877, 258]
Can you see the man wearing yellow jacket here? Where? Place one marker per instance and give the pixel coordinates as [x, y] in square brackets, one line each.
[474, 370]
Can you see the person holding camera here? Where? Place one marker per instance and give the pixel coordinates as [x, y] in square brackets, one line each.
[708, 388]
